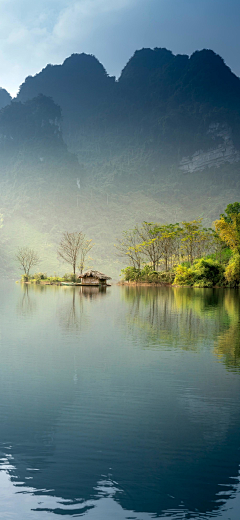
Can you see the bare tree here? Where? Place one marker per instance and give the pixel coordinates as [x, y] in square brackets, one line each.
[128, 247]
[85, 247]
[70, 247]
[27, 258]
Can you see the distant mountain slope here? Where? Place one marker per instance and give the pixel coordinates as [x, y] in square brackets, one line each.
[162, 102]
[80, 86]
[5, 98]
[80, 150]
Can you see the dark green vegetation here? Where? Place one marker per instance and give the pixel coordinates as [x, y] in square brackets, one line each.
[81, 151]
[185, 254]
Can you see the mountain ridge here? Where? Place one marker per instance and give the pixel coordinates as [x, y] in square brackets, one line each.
[161, 143]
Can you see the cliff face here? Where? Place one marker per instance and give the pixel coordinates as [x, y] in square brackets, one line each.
[165, 105]
[223, 152]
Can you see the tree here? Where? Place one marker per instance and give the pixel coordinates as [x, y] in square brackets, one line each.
[232, 271]
[192, 235]
[151, 246]
[27, 258]
[128, 247]
[70, 247]
[231, 209]
[229, 231]
[85, 247]
[168, 242]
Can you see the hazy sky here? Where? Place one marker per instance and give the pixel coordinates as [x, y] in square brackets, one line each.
[37, 32]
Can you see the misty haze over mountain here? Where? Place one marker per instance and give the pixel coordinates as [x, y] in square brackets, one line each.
[82, 151]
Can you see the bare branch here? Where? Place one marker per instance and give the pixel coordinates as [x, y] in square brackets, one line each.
[70, 247]
[27, 258]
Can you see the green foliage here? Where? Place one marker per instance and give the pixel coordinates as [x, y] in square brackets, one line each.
[228, 227]
[231, 209]
[42, 277]
[222, 256]
[131, 273]
[147, 275]
[184, 275]
[54, 279]
[208, 272]
[232, 272]
[205, 272]
[39, 276]
[68, 277]
[25, 278]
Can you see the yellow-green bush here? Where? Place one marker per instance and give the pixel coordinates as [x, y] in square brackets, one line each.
[204, 272]
[232, 271]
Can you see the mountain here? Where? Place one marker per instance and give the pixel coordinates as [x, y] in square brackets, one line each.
[161, 143]
[5, 98]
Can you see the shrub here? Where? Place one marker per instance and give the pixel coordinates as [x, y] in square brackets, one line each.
[208, 271]
[232, 271]
[204, 272]
[55, 278]
[147, 275]
[131, 273]
[25, 278]
[184, 275]
[39, 276]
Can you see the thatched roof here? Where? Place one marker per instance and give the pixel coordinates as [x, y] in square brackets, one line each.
[94, 274]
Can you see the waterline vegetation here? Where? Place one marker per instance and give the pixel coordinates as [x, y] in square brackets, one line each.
[184, 254]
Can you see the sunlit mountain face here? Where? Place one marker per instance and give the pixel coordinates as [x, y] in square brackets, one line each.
[82, 151]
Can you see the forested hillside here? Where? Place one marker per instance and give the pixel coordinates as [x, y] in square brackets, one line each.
[83, 151]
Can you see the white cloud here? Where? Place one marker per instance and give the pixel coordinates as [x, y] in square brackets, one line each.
[33, 34]
[79, 18]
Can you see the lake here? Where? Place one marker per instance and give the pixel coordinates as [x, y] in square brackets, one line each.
[119, 404]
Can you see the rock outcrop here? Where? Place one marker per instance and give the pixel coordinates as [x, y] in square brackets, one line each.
[219, 154]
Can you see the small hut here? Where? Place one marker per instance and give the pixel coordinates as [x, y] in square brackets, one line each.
[93, 278]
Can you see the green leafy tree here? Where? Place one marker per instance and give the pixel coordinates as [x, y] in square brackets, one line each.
[231, 209]
[150, 245]
[232, 272]
[168, 238]
[229, 232]
[193, 236]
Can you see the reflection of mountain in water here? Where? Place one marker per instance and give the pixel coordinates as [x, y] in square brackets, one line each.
[164, 424]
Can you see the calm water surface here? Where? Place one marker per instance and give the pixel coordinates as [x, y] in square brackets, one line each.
[121, 404]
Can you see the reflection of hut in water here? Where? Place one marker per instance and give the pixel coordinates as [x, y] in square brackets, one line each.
[91, 292]
[94, 278]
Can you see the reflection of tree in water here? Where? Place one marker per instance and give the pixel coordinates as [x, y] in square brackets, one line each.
[176, 317]
[227, 347]
[26, 304]
[73, 315]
